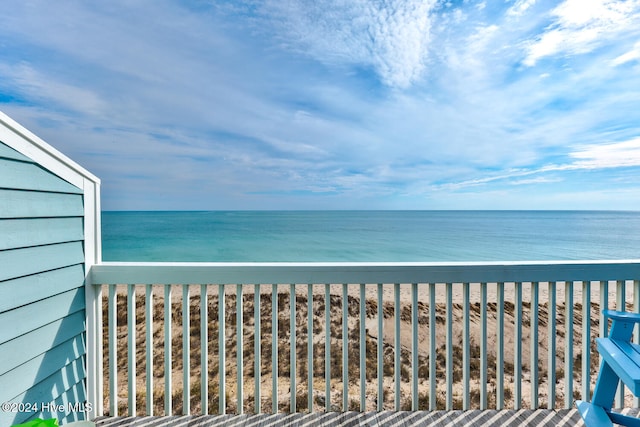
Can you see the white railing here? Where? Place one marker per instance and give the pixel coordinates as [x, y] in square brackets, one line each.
[517, 302]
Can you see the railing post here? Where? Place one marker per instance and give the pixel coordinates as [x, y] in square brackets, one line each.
[466, 359]
[483, 345]
[257, 347]
[222, 351]
[94, 357]
[620, 306]
[551, 359]
[186, 351]
[363, 349]
[432, 347]
[310, 359]
[379, 350]
[586, 340]
[568, 344]
[414, 346]
[396, 346]
[240, 348]
[113, 351]
[274, 348]
[327, 347]
[148, 309]
[293, 347]
[131, 349]
[500, 346]
[345, 348]
[517, 350]
[204, 349]
[535, 300]
[449, 347]
[168, 398]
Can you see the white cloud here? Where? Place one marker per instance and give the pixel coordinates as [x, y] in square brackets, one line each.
[392, 37]
[579, 26]
[614, 155]
[632, 55]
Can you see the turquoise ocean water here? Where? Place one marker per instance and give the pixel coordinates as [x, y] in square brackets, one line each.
[228, 236]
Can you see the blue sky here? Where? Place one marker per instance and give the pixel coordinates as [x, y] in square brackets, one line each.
[357, 104]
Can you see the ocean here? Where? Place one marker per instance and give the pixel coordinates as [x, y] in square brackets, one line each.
[369, 236]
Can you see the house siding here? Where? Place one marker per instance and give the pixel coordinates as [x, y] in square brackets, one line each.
[42, 294]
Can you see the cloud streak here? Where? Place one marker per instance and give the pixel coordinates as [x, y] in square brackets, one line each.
[359, 104]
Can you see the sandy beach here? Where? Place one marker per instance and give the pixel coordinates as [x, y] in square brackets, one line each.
[372, 335]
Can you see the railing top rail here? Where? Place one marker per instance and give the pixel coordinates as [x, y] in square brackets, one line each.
[363, 272]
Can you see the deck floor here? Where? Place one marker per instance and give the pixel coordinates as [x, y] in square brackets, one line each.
[541, 417]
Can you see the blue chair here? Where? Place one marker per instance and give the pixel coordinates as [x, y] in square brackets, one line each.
[621, 362]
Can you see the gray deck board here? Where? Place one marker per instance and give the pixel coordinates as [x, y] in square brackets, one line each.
[503, 418]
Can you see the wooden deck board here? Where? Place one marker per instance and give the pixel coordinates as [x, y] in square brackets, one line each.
[519, 418]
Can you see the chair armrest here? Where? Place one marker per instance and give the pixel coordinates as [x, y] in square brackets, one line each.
[624, 316]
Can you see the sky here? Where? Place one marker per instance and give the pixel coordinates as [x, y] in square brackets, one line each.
[336, 104]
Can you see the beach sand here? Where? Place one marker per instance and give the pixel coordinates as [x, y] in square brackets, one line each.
[508, 334]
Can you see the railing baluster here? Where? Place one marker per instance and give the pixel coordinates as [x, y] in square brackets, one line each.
[186, 351]
[483, 346]
[204, 350]
[620, 306]
[274, 348]
[414, 346]
[131, 349]
[500, 346]
[310, 364]
[636, 331]
[168, 403]
[535, 301]
[432, 347]
[222, 350]
[568, 345]
[379, 350]
[517, 350]
[257, 347]
[240, 347]
[449, 347]
[586, 340]
[345, 348]
[293, 347]
[552, 346]
[113, 351]
[396, 346]
[466, 371]
[327, 347]
[363, 349]
[148, 306]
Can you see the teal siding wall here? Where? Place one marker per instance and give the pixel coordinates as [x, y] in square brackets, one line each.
[42, 301]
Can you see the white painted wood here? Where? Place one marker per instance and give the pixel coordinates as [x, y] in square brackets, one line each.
[240, 349]
[414, 346]
[257, 347]
[466, 348]
[327, 346]
[568, 344]
[492, 272]
[432, 347]
[204, 348]
[222, 351]
[113, 352]
[345, 348]
[449, 347]
[517, 350]
[274, 347]
[310, 359]
[500, 346]
[149, 372]
[620, 306]
[535, 318]
[551, 346]
[363, 348]
[293, 347]
[396, 346]
[186, 351]
[168, 352]
[483, 346]
[131, 350]
[379, 350]
[586, 340]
